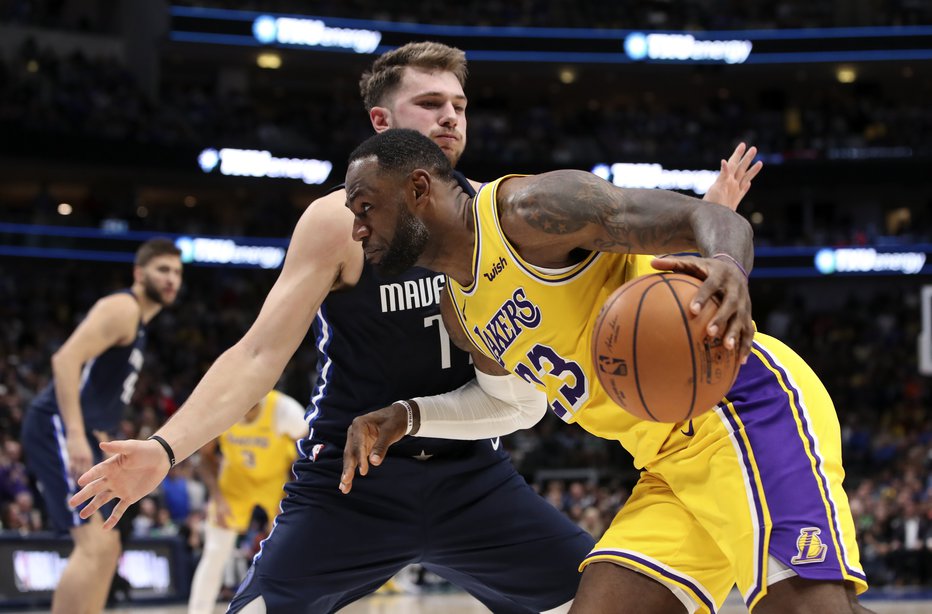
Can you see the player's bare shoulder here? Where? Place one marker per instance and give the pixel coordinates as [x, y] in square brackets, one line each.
[325, 234]
[120, 313]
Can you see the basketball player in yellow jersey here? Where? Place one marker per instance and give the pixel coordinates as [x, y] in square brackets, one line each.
[748, 493]
[258, 452]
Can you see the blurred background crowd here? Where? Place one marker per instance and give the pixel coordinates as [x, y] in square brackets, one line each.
[846, 165]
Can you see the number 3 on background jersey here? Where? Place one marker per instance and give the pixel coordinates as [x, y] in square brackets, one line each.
[544, 361]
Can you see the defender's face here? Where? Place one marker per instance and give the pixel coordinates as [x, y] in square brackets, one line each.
[392, 238]
[433, 103]
[161, 278]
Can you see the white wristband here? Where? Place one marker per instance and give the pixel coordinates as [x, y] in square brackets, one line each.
[410, 411]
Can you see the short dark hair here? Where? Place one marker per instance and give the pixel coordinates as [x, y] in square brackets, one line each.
[155, 247]
[400, 151]
[380, 81]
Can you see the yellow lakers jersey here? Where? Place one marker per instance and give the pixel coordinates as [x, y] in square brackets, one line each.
[255, 455]
[538, 324]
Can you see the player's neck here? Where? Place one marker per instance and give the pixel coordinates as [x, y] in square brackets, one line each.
[147, 307]
[452, 241]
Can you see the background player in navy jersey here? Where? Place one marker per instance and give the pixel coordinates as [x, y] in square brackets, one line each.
[380, 339]
[93, 377]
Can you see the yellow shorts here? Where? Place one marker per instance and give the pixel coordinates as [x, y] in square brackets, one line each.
[758, 476]
[241, 507]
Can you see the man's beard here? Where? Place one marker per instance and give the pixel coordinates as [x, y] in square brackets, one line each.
[152, 293]
[411, 237]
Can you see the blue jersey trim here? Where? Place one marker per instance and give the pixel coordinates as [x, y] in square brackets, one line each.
[324, 337]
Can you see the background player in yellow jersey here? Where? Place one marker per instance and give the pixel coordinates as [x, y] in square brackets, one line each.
[258, 452]
[748, 493]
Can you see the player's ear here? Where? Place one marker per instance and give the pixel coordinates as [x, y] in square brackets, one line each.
[421, 185]
[381, 118]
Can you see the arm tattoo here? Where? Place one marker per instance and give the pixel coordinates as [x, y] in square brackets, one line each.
[564, 202]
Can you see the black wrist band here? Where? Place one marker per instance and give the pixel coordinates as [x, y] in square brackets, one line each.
[168, 450]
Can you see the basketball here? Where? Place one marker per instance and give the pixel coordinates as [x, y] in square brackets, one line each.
[653, 356]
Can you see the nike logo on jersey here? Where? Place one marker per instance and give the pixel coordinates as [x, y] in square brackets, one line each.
[689, 432]
[497, 268]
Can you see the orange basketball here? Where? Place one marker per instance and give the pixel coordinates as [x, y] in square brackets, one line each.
[653, 356]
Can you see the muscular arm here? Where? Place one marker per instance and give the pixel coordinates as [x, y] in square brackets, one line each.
[548, 216]
[112, 321]
[248, 370]
[317, 259]
[551, 217]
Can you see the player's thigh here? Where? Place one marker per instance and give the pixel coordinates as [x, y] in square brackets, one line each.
[43, 437]
[656, 536]
[764, 477]
[802, 596]
[321, 534]
[608, 588]
[487, 524]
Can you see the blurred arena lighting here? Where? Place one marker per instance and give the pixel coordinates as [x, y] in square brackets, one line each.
[261, 163]
[846, 74]
[64, 209]
[757, 218]
[142, 211]
[190, 201]
[203, 250]
[269, 60]
[567, 75]
[685, 47]
[559, 45]
[626, 175]
[867, 260]
[313, 33]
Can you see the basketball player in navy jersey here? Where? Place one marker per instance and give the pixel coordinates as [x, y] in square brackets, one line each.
[379, 339]
[93, 377]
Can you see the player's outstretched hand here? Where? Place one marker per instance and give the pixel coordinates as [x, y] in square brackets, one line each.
[133, 470]
[724, 283]
[734, 178]
[367, 441]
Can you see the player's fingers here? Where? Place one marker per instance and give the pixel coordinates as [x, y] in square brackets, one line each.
[737, 154]
[118, 512]
[98, 471]
[689, 265]
[90, 490]
[708, 291]
[746, 159]
[384, 439]
[99, 500]
[349, 461]
[751, 174]
[117, 447]
[346, 479]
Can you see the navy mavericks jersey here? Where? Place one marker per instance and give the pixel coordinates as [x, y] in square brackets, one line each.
[380, 341]
[107, 385]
